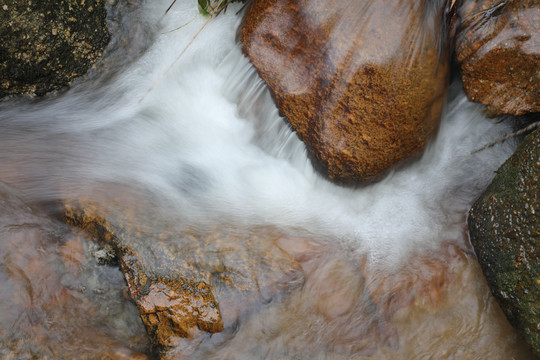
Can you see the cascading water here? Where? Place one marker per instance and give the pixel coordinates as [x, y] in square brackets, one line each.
[205, 137]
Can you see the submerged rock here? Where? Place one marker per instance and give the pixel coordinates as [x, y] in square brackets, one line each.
[45, 44]
[186, 282]
[51, 304]
[362, 83]
[498, 47]
[437, 306]
[504, 224]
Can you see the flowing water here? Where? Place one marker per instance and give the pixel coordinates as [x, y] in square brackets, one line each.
[388, 270]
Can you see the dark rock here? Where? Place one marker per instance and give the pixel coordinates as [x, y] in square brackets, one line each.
[498, 47]
[504, 224]
[188, 283]
[362, 83]
[46, 43]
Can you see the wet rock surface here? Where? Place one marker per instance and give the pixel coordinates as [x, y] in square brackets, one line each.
[189, 282]
[498, 47]
[57, 303]
[504, 224]
[362, 83]
[346, 310]
[45, 44]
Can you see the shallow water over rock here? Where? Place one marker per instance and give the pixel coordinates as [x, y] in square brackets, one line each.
[57, 303]
[386, 270]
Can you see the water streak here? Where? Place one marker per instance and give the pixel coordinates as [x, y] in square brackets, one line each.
[210, 144]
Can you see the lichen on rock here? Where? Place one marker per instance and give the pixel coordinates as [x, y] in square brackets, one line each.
[45, 43]
[504, 225]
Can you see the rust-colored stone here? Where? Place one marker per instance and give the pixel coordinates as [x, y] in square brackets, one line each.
[170, 306]
[187, 282]
[498, 47]
[361, 82]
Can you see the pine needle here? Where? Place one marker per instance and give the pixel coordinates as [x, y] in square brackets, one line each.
[215, 9]
[530, 127]
[166, 11]
[170, 6]
[175, 60]
[181, 26]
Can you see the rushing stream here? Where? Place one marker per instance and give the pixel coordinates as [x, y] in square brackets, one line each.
[202, 134]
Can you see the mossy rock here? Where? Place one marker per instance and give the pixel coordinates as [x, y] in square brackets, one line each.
[504, 224]
[45, 43]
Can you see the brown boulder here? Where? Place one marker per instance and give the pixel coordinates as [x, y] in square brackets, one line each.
[362, 83]
[498, 47]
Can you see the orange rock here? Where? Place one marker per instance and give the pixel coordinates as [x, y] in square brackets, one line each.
[169, 307]
[173, 308]
[498, 47]
[362, 83]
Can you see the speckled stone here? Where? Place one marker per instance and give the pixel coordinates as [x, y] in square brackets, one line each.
[45, 43]
[361, 82]
[504, 224]
[498, 47]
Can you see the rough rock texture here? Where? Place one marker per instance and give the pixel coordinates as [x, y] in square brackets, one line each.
[361, 82]
[505, 231]
[48, 304]
[498, 47]
[188, 282]
[47, 43]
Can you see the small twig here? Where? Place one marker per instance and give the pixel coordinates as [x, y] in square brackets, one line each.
[216, 9]
[175, 60]
[532, 126]
[181, 26]
[170, 6]
[166, 11]
[246, 3]
[486, 13]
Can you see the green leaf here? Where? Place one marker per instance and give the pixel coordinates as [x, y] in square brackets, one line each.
[203, 7]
